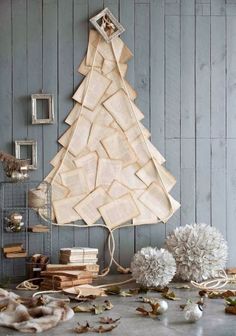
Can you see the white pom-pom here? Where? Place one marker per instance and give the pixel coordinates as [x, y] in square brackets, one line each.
[152, 267]
[200, 251]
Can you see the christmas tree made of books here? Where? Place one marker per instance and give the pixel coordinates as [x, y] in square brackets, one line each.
[107, 167]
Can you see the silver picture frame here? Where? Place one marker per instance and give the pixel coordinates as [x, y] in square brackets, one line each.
[119, 29]
[50, 99]
[33, 159]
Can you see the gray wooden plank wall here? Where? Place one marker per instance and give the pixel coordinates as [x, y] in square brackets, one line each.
[184, 71]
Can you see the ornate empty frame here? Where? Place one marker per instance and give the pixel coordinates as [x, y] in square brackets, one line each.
[96, 22]
[33, 158]
[50, 100]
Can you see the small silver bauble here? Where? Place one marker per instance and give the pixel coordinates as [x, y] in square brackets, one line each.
[193, 312]
[163, 306]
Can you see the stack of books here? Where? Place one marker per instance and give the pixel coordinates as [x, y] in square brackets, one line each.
[15, 250]
[79, 256]
[59, 280]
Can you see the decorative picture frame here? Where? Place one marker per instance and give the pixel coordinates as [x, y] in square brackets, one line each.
[118, 28]
[33, 159]
[50, 99]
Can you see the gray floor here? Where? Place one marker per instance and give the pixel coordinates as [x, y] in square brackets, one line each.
[214, 322]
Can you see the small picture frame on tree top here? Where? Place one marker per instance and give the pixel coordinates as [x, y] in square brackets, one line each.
[46, 109]
[107, 25]
[27, 149]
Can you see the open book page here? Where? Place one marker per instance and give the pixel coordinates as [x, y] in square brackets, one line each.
[92, 89]
[97, 133]
[117, 189]
[88, 207]
[75, 181]
[118, 148]
[68, 159]
[116, 84]
[66, 136]
[108, 170]
[148, 174]
[109, 66]
[122, 52]
[81, 130]
[54, 174]
[133, 132]
[100, 150]
[59, 191]
[89, 164]
[77, 111]
[92, 44]
[142, 152]
[158, 202]
[146, 215]
[130, 179]
[103, 117]
[64, 209]
[84, 68]
[119, 211]
[119, 107]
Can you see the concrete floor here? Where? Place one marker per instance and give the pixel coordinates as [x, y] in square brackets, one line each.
[172, 323]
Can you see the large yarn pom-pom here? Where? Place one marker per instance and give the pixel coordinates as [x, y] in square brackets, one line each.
[200, 251]
[152, 267]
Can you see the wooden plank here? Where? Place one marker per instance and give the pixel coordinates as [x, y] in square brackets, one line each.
[203, 77]
[5, 88]
[172, 76]
[157, 89]
[218, 63]
[231, 77]
[97, 236]
[34, 73]
[80, 29]
[187, 213]
[217, 7]
[172, 8]
[49, 79]
[231, 200]
[19, 75]
[172, 107]
[218, 183]
[173, 165]
[50, 66]
[203, 181]
[187, 7]
[142, 86]
[127, 235]
[230, 9]
[65, 85]
[187, 77]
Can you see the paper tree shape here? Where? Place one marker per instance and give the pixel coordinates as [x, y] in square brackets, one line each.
[107, 167]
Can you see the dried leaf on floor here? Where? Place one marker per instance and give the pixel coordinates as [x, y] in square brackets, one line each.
[230, 302]
[182, 286]
[108, 320]
[169, 295]
[99, 309]
[101, 329]
[154, 307]
[93, 308]
[114, 290]
[220, 295]
[82, 329]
